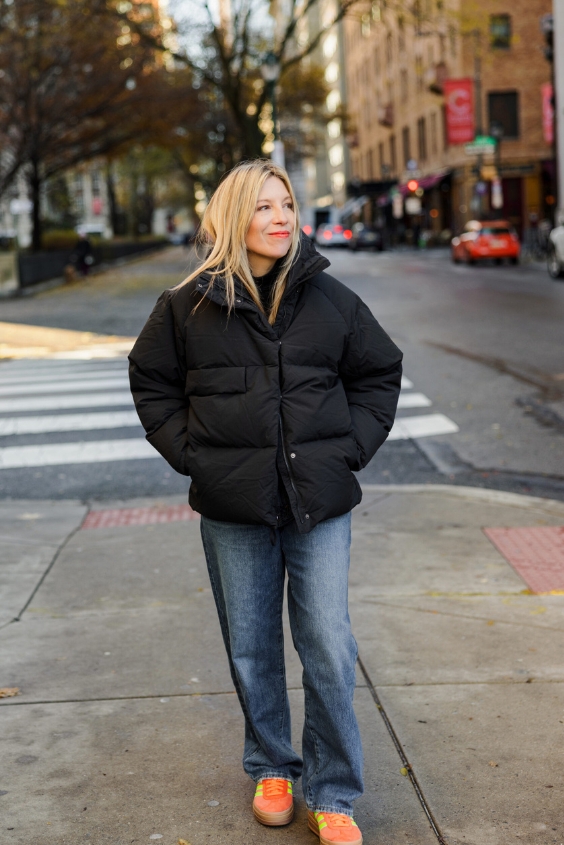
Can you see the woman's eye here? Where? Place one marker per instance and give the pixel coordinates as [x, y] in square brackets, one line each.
[263, 207]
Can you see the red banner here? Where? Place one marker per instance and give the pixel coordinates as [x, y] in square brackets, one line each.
[547, 113]
[459, 103]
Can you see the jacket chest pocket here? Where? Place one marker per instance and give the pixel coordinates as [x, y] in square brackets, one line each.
[210, 382]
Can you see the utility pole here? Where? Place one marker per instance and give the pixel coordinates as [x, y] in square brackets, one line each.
[558, 17]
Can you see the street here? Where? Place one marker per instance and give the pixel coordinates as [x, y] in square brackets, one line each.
[482, 402]
[119, 714]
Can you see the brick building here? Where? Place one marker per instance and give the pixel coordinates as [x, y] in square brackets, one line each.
[398, 57]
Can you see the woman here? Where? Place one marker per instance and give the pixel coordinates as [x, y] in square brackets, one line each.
[268, 382]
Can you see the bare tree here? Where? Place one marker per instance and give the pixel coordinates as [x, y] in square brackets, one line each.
[74, 85]
[225, 57]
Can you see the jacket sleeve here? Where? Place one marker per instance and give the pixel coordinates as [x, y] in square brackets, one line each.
[157, 375]
[371, 373]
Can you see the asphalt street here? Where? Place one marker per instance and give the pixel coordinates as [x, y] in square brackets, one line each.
[482, 402]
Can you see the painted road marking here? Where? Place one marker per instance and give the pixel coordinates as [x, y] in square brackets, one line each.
[64, 376]
[56, 403]
[413, 400]
[426, 425]
[406, 383]
[67, 422]
[91, 452]
[65, 387]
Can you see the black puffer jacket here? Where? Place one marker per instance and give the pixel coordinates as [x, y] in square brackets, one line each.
[216, 394]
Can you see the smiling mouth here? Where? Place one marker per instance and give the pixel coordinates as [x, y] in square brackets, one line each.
[280, 234]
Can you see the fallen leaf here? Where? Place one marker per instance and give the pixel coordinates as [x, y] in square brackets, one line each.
[9, 692]
[403, 772]
[183, 842]
[491, 622]
[493, 765]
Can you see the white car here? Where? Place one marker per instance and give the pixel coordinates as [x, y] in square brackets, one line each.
[555, 259]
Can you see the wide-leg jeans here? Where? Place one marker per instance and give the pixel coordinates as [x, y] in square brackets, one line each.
[247, 566]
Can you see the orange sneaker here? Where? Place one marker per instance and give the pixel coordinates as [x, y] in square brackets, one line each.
[273, 803]
[334, 828]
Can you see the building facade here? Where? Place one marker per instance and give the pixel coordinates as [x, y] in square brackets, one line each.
[399, 62]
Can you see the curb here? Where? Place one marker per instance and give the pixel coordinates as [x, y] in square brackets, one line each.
[477, 493]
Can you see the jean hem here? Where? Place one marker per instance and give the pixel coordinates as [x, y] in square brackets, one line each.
[278, 775]
[326, 809]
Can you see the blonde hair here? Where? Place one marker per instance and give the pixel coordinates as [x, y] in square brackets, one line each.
[225, 223]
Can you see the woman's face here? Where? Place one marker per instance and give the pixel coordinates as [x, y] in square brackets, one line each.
[270, 234]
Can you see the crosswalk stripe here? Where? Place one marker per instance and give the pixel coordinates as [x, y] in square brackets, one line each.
[61, 377]
[56, 403]
[426, 425]
[413, 400]
[67, 422]
[65, 387]
[406, 383]
[90, 452]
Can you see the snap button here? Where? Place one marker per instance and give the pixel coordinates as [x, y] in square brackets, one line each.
[293, 455]
[307, 516]
[237, 300]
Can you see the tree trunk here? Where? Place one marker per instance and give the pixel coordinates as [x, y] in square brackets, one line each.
[34, 182]
[111, 191]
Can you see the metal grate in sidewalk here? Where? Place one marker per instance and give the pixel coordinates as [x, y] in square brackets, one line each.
[123, 517]
[536, 554]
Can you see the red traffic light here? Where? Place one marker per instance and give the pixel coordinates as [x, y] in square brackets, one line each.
[412, 185]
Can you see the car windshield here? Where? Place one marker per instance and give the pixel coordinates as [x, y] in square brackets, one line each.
[494, 230]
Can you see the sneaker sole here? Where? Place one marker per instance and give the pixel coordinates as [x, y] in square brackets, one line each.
[274, 819]
[314, 827]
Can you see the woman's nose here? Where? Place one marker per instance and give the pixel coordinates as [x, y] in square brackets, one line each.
[280, 214]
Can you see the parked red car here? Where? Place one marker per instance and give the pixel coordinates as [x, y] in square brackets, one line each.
[495, 239]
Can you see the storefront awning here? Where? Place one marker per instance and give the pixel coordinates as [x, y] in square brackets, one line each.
[352, 206]
[426, 182]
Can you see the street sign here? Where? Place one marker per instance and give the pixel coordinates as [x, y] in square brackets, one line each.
[481, 145]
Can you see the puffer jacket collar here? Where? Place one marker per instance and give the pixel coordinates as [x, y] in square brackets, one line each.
[307, 264]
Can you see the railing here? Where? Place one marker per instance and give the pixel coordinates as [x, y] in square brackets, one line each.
[37, 267]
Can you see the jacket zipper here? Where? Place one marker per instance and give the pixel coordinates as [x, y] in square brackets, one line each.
[290, 476]
[284, 453]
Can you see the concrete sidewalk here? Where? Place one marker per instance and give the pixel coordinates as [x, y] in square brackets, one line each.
[126, 728]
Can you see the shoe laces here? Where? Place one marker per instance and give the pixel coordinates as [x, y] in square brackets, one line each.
[274, 788]
[337, 820]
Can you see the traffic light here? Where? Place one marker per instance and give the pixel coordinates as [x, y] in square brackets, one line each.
[412, 185]
[547, 29]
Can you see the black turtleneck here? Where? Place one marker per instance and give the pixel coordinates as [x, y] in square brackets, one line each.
[265, 284]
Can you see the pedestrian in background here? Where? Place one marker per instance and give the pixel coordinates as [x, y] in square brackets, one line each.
[269, 383]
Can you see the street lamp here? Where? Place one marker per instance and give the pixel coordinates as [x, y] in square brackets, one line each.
[496, 131]
[270, 72]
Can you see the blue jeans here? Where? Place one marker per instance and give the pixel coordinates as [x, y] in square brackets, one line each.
[247, 573]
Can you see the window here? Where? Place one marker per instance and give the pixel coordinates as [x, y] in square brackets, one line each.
[445, 133]
[406, 145]
[434, 138]
[422, 138]
[403, 85]
[370, 163]
[381, 161]
[500, 32]
[393, 156]
[503, 109]
[419, 72]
